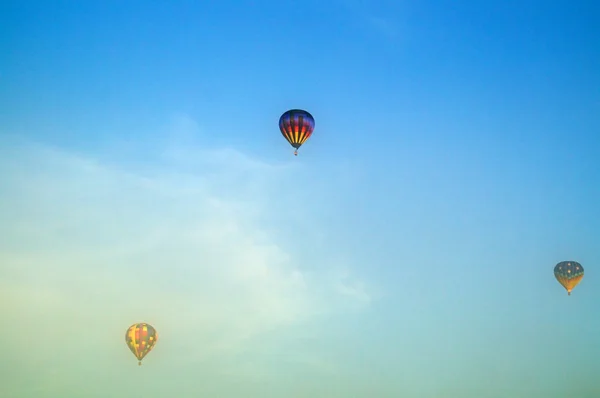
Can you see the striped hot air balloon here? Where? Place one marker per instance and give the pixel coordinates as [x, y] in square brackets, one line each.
[296, 126]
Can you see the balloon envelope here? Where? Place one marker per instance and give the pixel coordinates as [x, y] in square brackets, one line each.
[141, 338]
[568, 274]
[297, 126]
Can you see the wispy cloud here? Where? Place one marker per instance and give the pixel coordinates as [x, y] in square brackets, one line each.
[383, 25]
[354, 289]
[89, 247]
[375, 16]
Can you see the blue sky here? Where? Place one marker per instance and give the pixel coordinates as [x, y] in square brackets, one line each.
[407, 251]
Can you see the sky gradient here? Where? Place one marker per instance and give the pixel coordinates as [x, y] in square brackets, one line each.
[408, 251]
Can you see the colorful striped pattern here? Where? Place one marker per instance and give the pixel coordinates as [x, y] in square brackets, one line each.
[296, 126]
[568, 274]
[140, 339]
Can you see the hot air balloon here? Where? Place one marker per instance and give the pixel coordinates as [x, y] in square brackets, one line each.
[141, 338]
[296, 126]
[568, 274]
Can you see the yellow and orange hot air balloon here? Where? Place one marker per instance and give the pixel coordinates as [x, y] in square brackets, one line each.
[568, 274]
[141, 338]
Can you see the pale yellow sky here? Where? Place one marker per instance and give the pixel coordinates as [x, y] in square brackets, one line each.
[91, 247]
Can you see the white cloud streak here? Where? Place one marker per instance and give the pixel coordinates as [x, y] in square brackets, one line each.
[89, 247]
